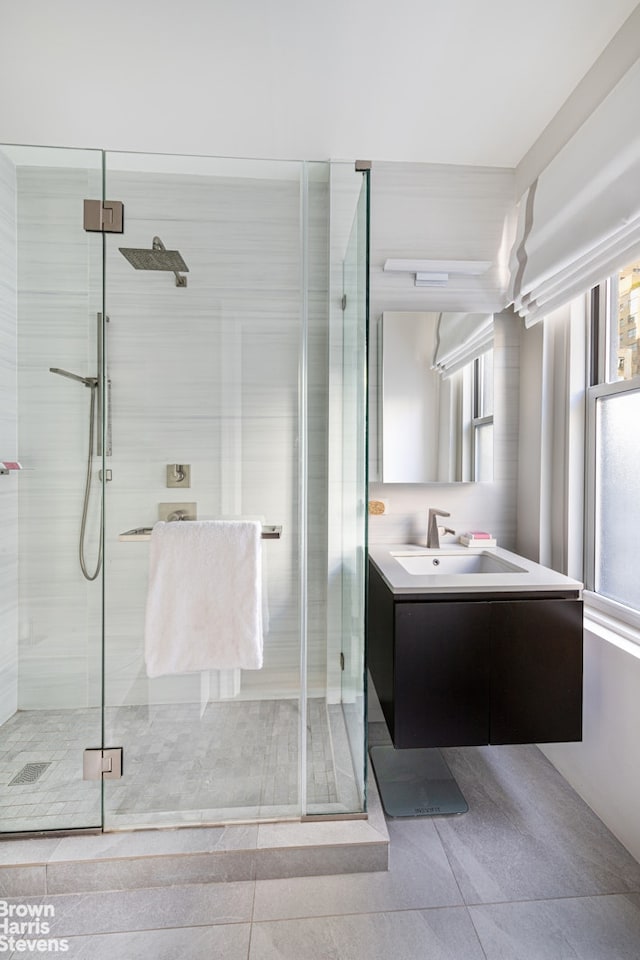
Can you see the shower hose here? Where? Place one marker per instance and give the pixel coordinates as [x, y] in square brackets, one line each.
[93, 386]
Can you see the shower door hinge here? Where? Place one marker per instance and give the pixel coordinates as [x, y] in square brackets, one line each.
[362, 165]
[341, 660]
[104, 216]
[102, 764]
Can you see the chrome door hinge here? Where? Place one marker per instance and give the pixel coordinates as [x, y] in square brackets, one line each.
[104, 216]
[99, 764]
[362, 165]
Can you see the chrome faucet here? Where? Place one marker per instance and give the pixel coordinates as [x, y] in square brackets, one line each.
[433, 530]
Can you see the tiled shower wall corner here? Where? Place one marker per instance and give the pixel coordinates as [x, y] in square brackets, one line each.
[206, 375]
[8, 446]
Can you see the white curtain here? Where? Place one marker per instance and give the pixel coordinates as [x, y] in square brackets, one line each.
[563, 413]
[461, 337]
[580, 221]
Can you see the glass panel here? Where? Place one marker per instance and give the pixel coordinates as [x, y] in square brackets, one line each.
[625, 324]
[482, 420]
[617, 502]
[50, 614]
[347, 491]
[486, 384]
[484, 451]
[210, 375]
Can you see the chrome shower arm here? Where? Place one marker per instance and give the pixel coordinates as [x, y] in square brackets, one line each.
[88, 381]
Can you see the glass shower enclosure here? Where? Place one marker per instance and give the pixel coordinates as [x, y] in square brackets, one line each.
[207, 362]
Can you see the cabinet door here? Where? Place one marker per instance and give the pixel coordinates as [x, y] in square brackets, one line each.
[441, 666]
[536, 684]
[380, 626]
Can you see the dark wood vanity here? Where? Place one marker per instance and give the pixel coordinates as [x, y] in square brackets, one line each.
[462, 669]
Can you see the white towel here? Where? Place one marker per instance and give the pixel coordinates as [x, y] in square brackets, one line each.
[204, 602]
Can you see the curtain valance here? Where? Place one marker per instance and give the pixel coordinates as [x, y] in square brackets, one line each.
[461, 338]
[580, 220]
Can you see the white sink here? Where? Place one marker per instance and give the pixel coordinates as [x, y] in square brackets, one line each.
[454, 564]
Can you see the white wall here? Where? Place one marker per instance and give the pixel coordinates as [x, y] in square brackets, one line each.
[603, 768]
[446, 212]
[530, 426]
[8, 446]
[617, 57]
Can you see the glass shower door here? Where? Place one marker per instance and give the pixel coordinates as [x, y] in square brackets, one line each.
[50, 384]
[204, 355]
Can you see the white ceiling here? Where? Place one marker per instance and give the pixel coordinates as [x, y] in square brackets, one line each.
[454, 81]
[465, 81]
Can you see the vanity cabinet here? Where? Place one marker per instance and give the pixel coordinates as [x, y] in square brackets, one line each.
[475, 669]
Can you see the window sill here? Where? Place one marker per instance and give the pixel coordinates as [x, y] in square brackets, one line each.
[601, 617]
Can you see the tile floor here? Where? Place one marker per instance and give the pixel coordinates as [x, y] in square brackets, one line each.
[239, 760]
[530, 873]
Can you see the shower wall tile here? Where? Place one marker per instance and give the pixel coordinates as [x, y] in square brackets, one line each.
[9, 485]
[59, 291]
[209, 375]
[206, 375]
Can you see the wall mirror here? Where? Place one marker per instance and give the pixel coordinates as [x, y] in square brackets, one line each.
[435, 397]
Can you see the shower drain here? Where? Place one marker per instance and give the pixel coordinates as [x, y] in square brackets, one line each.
[30, 773]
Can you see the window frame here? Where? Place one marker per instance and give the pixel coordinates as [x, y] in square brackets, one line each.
[600, 384]
[478, 417]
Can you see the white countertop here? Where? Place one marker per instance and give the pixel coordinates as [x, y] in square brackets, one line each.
[534, 578]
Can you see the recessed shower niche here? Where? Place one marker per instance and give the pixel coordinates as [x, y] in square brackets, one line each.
[248, 374]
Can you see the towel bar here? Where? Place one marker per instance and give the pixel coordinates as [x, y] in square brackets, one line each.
[269, 532]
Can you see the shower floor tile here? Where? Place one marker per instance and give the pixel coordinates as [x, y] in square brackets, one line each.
[234, 760]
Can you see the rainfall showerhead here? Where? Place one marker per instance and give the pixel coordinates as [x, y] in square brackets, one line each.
[157, 258]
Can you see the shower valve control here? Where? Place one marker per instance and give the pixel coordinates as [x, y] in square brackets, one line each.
[178, 475]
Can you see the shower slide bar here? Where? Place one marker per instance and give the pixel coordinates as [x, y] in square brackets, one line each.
[269, 532]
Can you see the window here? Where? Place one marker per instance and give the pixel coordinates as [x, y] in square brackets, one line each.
[482, 417]
[471, 401]
[613, 519]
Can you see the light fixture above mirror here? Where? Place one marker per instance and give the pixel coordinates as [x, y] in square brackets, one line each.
[436, 273]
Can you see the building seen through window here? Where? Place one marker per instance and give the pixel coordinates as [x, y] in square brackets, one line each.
[628, 321]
